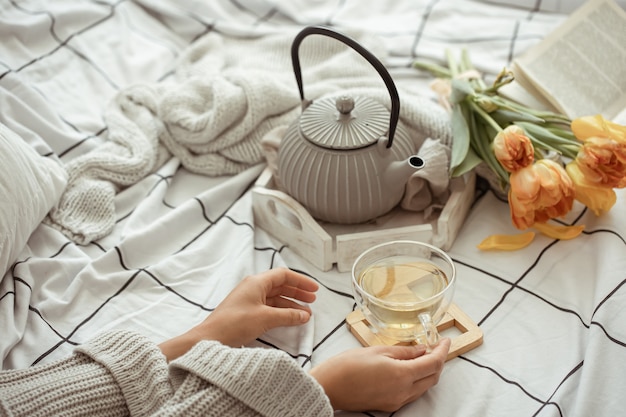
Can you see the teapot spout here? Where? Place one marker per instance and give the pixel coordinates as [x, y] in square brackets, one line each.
[416, 162]
[400, 171]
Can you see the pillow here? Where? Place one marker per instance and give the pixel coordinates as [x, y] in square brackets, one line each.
[30, 185]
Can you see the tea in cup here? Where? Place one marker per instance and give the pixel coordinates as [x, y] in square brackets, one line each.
[404, 289]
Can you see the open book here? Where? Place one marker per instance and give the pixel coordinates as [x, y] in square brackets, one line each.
[580, 68]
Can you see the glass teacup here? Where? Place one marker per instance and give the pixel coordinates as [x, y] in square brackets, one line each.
[404, 289]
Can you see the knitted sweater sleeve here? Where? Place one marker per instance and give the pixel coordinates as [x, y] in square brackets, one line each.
[122, 373]
[114, 374]
[250, 381]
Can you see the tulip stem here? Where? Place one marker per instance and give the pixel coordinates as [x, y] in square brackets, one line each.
[483, 114]
[434, 69]
[454, 69]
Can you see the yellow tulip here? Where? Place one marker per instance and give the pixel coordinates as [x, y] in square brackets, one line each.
[602, 158]
[597, 126]
[513, 149]
[443, 88]
[539, 192]
[598, 198]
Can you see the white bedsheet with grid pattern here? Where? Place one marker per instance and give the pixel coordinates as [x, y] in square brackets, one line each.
[552, 314]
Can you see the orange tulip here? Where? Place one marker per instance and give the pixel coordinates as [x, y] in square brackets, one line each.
[539, 192]
[602, 158]
[603, 162]
[513, 149]
[598, 198]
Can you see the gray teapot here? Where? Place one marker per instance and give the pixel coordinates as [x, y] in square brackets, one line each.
[337, 158]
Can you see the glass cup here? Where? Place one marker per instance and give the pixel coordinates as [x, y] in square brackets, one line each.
[404, 289]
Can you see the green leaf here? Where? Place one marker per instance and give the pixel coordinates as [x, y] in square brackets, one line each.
[460, 90]
[504, 117]
[483, 132]
[545, 135]
[559, 131]
[470, 162]
[539, 144]
[460, 136]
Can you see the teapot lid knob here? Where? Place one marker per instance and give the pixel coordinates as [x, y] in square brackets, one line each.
[344, 104]
[344, 122]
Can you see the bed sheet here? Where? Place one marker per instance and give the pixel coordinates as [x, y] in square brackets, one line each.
[552, 314]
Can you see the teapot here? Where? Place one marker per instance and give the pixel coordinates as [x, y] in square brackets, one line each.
[346, 159]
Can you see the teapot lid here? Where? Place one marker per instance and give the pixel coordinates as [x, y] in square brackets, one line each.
[344, 122]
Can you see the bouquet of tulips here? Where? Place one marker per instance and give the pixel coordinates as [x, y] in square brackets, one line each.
[542, 159]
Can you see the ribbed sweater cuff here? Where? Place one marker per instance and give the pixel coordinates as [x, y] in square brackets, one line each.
[137, 365]
[75, 386]
[266, 380]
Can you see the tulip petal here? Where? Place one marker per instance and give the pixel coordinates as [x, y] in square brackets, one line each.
[559, 232]
[507, 242]
[598, 199]
[590, 126]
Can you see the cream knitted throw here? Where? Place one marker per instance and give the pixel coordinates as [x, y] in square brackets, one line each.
[228, 94]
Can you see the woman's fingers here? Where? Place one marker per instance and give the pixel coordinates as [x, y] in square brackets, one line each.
[292, 292]
[288, 313]
[283, 277]
[432, 363]
[287, 283]
[281, 302]
[403, 352]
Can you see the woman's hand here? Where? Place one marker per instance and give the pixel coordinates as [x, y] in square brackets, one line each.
[380, 378]
[257, 304]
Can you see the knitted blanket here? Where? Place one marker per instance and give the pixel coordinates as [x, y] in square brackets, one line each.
[226, 95]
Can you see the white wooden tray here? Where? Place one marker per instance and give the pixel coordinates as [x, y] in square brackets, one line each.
[325, 244]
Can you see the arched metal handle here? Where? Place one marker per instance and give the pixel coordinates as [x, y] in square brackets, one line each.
[391, 87]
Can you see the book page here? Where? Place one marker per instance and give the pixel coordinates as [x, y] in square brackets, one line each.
[580, 68]
[524, 92]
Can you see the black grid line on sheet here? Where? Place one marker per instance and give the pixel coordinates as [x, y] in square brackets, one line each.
[141, 272]
[420, 31]
[267, 14]
[514, 285]
[208, 222]
[65, 43]
[80, 142]
[514, 383]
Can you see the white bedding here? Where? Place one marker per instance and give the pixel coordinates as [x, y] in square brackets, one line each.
[552, 314]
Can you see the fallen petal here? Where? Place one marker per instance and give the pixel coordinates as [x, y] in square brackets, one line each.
[507, 242]
[559, 232]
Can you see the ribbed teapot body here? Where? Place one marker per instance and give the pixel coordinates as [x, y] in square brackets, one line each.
[342, 159]
[342, 186]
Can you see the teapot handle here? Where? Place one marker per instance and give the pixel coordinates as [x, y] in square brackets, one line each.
[391, 87]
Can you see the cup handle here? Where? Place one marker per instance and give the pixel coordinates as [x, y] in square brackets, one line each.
[430, 337]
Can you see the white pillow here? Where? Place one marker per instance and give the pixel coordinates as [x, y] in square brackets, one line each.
[30, 185]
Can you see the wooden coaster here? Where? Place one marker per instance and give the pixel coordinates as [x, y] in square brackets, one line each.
[471, 336]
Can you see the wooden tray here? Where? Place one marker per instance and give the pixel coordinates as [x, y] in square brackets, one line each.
[324, 244]
[471, 336]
